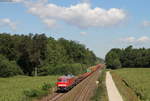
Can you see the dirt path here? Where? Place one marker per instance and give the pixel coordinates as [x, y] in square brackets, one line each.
[113, 93]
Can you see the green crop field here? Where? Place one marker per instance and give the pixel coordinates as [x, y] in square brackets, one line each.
[138, 79]
[11, 89]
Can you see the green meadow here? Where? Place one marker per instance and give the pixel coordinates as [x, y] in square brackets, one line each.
[11, 89]
[137, 79]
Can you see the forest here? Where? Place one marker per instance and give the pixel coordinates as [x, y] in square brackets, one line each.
[37, 54]
[128, 58]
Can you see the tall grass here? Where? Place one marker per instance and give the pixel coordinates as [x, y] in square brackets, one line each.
[101, 91]
[137, 79]
[11, 89]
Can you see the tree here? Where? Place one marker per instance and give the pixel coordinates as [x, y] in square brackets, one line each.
[112, 60]
[41, 54]
[8, 68]
[130, 57]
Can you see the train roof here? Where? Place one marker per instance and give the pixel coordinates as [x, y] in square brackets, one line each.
[66, 77]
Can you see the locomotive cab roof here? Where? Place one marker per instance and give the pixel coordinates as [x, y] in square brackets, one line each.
[66, 77]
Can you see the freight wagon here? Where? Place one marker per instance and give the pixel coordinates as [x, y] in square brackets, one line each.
[65, 83]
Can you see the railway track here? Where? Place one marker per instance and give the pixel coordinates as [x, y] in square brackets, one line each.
[56, 96]
[87, 89]
[52, 97]
[81, 92]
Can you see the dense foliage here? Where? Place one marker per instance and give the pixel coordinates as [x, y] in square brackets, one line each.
[39, 54]
[128, 57]
[8, 68]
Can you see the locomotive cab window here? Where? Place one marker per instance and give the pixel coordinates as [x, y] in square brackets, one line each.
[62, 80]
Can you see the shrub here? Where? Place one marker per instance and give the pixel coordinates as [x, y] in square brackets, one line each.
[8, 68]
[46, 86]
[31, 92]
[38, 93]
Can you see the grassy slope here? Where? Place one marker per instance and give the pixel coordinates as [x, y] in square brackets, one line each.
[101, 91]
[11, 89]
[132, 82]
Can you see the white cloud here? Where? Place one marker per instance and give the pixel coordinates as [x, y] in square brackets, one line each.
[83, 33]
[142, 39]
[7, 22]
[146, 23]
[81, 15]
[128, 39]
[17, 0]
[49, 22]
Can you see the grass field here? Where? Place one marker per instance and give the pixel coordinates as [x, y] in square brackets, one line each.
[135, 79]
[11, 89]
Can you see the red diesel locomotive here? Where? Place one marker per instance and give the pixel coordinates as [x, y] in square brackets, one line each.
[65, 83]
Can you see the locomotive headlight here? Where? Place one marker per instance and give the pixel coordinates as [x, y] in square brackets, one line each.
[62, 85]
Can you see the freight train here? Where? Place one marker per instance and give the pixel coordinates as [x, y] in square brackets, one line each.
[65, 83]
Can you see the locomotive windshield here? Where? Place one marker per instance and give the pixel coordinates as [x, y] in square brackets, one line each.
[62, 80]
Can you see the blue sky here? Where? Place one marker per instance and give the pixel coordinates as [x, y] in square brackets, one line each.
[116, 23]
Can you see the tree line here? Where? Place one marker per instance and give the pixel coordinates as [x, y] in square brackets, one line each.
[129, 57]
[41, 55]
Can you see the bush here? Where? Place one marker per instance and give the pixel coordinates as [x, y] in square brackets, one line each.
[35, 93]
[46, 86]
[38, 93]
[31, 92]
[8, 68]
